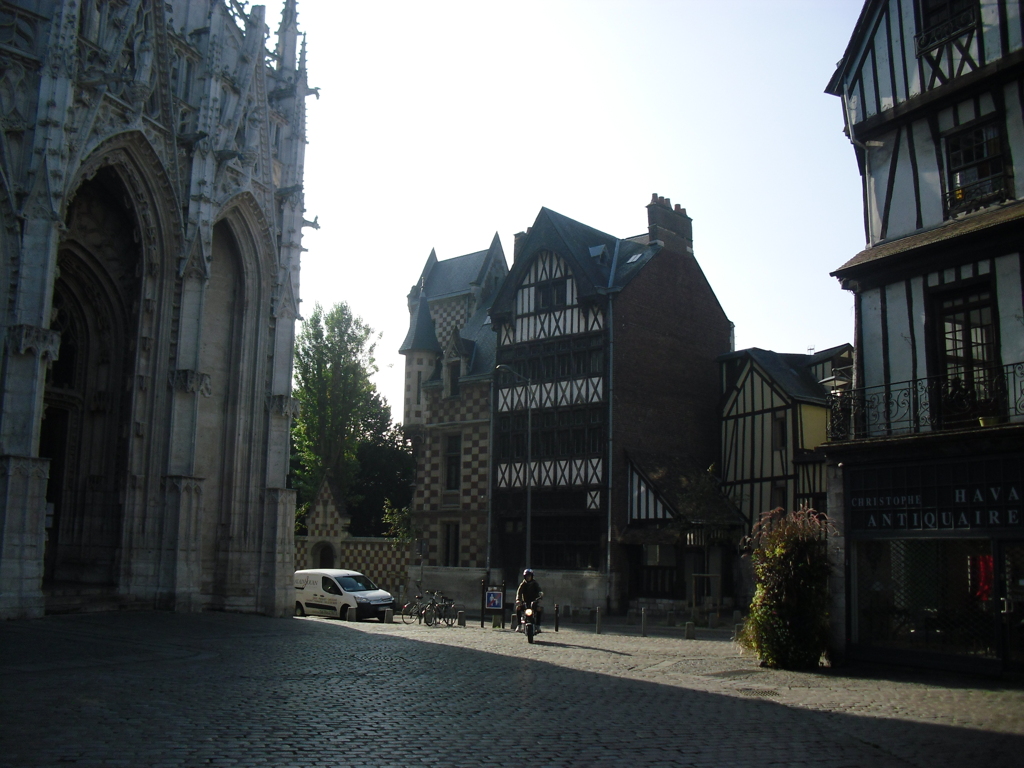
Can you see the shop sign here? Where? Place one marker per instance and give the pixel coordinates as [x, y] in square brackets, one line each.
[893, 498]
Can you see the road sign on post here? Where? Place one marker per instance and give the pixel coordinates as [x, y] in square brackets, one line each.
[492, 601]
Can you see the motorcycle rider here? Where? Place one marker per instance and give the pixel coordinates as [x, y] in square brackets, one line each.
[528, 592]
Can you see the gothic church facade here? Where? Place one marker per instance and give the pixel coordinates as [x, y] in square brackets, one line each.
[151, 202]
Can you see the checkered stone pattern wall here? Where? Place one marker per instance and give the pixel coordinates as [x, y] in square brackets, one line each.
[472, 538]
[448, 314]
[323, 520]
[384, 563]
[468, 506]
[301, 552]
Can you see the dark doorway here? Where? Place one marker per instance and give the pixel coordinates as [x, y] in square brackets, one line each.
[87, 426]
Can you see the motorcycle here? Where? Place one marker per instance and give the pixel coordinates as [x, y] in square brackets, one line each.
[529, 624]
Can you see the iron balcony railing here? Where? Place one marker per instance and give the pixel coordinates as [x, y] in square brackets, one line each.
[990, 397]
[945, 31]
[978, 194]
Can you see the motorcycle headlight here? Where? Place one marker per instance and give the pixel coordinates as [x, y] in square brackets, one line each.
[529, 611]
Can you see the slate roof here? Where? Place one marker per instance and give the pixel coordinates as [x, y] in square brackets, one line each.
[669, 474]
[454, 277]
[791, 372]
[577, 243]
[421, 331]
[485, 341]
[964, 225]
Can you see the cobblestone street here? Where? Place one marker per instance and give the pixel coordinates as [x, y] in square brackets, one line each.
[159, 689]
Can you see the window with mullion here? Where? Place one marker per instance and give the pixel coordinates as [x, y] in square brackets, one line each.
[969, 340]
[976, 167]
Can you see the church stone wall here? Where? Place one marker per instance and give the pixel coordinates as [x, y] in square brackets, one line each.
[153, 161]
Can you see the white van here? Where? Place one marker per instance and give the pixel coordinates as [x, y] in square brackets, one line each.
[334, 592]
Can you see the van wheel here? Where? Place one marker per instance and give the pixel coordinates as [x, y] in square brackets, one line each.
[298, 609]
[343, 613]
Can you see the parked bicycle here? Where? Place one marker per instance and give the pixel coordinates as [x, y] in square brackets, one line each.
[431, 608]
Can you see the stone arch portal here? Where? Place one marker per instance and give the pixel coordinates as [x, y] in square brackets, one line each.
[86, 428]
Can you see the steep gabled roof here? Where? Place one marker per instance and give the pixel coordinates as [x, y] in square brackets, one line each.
[443, 279]
[669, 475]
[421, 331]
[791, 372]
[599, 262]
[867, 15]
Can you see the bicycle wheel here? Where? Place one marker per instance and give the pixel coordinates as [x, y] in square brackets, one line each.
[409, 612]
[430, 615]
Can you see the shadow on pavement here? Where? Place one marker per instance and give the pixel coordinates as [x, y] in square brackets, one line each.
[155, 689]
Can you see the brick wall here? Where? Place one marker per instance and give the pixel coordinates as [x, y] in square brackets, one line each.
[668, 330]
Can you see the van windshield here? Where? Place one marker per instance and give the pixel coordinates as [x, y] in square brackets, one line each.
[358, 583]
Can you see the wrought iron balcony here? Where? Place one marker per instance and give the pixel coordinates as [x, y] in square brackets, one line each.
[925, 405]
[978, 194]
[945, 31]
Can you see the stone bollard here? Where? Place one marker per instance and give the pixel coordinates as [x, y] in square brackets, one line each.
[736, 632]
[460, 617]
[643, 622]
[690, 633]
[389, 616]
[495, 621]
[597, 620]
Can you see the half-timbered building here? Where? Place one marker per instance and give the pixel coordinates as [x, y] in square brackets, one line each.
[607, 349]
[927, 445]
[774, 416]
[449, 365]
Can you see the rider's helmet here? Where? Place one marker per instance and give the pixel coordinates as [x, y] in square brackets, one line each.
[528, 572]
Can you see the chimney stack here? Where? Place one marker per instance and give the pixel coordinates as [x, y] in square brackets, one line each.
[672, 226]
[518, 246]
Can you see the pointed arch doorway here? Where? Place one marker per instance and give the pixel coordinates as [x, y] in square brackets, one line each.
[86, 429]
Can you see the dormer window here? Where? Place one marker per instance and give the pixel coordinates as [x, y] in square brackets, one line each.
[975, 167]
[943, 20]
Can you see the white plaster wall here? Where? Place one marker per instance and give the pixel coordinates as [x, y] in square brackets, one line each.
[1015, 135]
[878, 180]
[990, 29]
[898, 321]
[1011, 311]
[928, 171]
[918, 315]
[903, 208]
[871, 337]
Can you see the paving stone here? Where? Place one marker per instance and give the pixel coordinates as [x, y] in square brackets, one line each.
[221, 689]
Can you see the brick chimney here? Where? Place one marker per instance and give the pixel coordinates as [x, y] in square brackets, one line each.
[518, 246]
[670, 225]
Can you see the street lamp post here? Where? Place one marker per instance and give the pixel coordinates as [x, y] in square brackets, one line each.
[529, 455]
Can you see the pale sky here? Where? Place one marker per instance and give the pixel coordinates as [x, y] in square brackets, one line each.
[441, 123]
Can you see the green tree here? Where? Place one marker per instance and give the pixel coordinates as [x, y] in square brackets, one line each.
[344, 432]
[788, 626]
